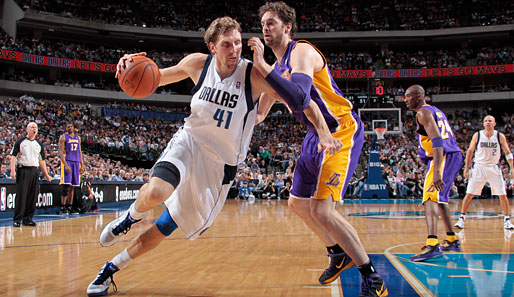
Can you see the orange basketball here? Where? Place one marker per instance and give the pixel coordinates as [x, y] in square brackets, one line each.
[140, 78]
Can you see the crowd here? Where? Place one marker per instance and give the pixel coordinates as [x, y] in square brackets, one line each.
[328, 16]
[267, 172]
[423, 58]
[51, 117]
[355, 60]
[274, 146]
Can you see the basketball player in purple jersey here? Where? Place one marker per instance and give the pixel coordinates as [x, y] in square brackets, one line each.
[301, 75]
[438, 149]
[70, 154]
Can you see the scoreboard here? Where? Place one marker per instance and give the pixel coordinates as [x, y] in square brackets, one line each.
[377, 94]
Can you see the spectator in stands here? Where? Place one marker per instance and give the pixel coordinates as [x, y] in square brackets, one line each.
[3, 171]
[286, 190]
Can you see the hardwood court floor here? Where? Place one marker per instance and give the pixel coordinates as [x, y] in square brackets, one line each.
[259, 249]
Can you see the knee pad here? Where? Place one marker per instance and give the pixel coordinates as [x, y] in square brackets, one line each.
[165, 223]
[167, 172]
[65, 190]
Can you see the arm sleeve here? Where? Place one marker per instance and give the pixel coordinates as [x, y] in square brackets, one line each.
[295, 92]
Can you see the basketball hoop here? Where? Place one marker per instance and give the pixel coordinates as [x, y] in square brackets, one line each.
[380, 133]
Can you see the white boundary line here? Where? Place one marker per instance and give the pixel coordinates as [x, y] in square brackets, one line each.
[415, 283]
[335, 287]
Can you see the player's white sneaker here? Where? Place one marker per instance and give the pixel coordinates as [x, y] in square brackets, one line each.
[100, 286]
[460, 224]
[113, 231]
[508, 225]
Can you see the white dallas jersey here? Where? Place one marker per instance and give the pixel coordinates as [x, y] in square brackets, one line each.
[222, 112]
[488, 150]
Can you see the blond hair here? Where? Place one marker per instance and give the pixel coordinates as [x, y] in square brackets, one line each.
[218, 27]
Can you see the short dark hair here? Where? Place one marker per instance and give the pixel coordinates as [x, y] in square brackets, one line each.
[285, 13]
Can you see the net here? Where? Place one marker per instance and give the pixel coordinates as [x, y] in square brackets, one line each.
[380, 133]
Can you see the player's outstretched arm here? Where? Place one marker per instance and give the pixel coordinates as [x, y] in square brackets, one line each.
[312, 112]
[326, 140]
[190, 66]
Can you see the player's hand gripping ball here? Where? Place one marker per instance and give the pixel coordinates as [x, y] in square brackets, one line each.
[140, 78]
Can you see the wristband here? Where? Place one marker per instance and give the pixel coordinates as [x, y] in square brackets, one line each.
[509, 156]
[437, 142]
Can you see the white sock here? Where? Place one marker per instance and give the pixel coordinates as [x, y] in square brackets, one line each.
[506, 218]
[463, 216]
[122, 259]
[134, 214]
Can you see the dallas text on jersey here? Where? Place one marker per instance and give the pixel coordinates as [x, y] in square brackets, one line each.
[219, 97]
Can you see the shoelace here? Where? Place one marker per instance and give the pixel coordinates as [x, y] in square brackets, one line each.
[123, 227]
[102, 277]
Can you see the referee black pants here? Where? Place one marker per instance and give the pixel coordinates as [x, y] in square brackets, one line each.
[27, 190]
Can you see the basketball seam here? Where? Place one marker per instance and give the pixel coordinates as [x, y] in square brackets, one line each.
[141, 78]
[124, 76]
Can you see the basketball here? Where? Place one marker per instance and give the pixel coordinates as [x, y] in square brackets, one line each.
[140, 78]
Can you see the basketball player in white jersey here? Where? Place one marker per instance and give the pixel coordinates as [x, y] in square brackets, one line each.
[485, 144]
[193, 175]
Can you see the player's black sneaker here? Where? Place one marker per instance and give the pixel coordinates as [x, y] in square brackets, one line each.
[428, 252]
[373, 286]
[338, 263]
[451, 246]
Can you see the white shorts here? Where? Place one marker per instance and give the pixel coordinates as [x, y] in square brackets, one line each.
[203, 188]
[481, 174]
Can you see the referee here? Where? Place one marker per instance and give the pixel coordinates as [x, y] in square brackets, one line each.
[30, 155]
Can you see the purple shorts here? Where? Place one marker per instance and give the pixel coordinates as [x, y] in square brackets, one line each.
[320, 175]
[450, 167]
[72, 178]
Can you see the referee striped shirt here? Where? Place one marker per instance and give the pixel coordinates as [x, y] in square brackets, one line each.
[28, 152]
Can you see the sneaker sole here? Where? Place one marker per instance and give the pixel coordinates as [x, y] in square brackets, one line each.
[333, 278]
[103, 293]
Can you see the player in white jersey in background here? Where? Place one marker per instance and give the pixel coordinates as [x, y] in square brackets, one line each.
[485, 144]
[194, 173]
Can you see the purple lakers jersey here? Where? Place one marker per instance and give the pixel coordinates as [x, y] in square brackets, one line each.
[324, 92]
[425, 150]
[72, 147]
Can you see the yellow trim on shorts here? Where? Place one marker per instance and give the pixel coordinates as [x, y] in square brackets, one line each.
[334, 168]
[429, 191]
[62, 174]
